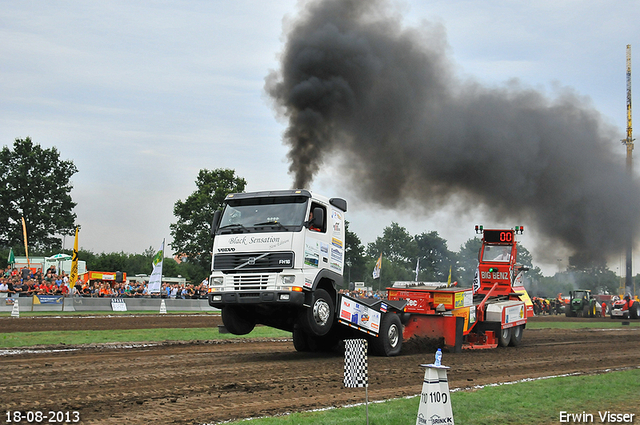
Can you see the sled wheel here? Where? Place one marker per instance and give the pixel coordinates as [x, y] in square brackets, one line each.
[504, 337]
[516, 336]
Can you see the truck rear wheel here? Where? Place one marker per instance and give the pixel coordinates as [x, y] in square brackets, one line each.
[516, 336]
[300, 342]
[504, 337]
[634, 310]
[318, 319]
[389, 340]
[326, 343]
[238, 321]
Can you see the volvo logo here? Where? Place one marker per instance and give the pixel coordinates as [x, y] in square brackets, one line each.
[251, 261]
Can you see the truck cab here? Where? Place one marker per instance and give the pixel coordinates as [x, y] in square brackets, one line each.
[278, 258]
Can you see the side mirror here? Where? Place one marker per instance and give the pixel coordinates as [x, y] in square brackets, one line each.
[215, 222]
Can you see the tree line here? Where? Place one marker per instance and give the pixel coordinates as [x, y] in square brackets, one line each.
[36, 185]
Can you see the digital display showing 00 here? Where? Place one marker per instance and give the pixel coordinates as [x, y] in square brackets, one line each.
[498, 236]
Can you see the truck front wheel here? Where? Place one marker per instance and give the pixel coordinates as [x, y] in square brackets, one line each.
[237, 321]
[318, 319]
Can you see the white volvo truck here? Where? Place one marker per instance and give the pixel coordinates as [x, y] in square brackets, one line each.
[278, 259]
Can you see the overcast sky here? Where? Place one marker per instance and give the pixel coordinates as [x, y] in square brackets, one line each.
[142, 95]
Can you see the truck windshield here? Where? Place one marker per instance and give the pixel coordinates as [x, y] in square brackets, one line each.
[496, 253]
[264, 214]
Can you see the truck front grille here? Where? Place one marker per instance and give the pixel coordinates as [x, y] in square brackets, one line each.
[254, 282]
[240, 262]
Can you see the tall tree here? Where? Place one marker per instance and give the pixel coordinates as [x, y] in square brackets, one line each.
[354, 257]
[526, 259]
[396, 244]
[35, 184]
[435, 258]
[468, 261]
[191, 233]
[399, 251]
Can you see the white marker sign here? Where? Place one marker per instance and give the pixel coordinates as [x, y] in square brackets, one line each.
[435, 400]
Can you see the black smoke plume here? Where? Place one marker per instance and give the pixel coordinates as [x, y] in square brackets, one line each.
[357, 86]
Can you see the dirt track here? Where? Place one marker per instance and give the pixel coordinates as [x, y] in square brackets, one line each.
[208, 382]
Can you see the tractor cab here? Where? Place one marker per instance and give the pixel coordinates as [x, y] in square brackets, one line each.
[498, 273]
[497, 261]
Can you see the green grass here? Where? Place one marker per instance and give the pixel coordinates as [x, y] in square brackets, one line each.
[536, 403]
[27, 339]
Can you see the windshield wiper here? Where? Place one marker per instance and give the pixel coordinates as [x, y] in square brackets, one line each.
[274, 223]
[237, 225]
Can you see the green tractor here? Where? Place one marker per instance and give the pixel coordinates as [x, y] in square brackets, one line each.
[582, 304]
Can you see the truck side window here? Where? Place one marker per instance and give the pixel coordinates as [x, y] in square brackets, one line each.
[314, 225]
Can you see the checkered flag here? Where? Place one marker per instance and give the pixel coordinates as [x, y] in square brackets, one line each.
[356, 372]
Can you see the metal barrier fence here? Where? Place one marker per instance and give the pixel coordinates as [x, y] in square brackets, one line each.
[105, 304]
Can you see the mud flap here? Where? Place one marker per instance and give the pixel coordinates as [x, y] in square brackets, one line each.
[457, 348]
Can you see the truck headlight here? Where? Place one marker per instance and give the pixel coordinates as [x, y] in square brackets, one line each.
[216, 281]
[288, 279]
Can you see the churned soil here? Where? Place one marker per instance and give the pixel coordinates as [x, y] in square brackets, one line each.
[203, 382]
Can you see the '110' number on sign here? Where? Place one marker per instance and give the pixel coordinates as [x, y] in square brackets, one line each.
[434, 397]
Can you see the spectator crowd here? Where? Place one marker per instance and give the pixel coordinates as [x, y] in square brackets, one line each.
[25, 283]
[365, 294]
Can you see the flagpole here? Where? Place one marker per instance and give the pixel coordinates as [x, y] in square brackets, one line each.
[26, 250]
[73, 278]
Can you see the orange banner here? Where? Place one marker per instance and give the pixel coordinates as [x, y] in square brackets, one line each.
[73, 277]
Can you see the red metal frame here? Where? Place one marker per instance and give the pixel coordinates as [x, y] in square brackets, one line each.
[495, 278]
[481, 341]
[431, 326]
[425, 322]
[502, 272]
